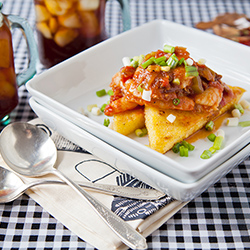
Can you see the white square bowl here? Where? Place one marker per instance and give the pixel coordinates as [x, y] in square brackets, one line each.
[69, 87]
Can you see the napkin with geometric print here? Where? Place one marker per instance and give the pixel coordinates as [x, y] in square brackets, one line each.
[75, 213]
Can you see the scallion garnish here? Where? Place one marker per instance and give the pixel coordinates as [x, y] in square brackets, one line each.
[168, 48]
[187, 145]
[206, 154]
[176, 147]
[101, 92]
[183, 147]
[141, 132]
[244, 124]
[103, 107]
[176, 101]
[90, 106]
[218, 142]
[110, 92]
[139, 88]
[182, 60]
[148, 62]
[239, 107]
[211, 137]
[160, 60]
[141, 58]
[172, 61]
[106, 122]
[183, 151]
[209, 126]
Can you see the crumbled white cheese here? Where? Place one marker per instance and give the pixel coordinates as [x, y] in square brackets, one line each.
[146, 95]
[171, 118]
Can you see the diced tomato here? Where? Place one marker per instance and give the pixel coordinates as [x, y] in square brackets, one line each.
[127, 72]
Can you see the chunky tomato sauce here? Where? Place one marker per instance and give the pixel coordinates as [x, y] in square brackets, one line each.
[167, 80]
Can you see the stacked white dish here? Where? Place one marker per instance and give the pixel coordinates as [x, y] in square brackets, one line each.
[60, 94]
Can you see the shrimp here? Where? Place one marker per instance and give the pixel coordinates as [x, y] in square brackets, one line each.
[210, 97]
[120, 105]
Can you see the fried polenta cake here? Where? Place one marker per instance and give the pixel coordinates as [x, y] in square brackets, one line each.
[163, 135]
[127, 122]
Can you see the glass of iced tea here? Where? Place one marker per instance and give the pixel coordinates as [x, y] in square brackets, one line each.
[67, 27]
[9, 82]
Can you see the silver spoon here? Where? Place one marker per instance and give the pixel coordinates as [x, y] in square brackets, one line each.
[29, 151]
[12, 186]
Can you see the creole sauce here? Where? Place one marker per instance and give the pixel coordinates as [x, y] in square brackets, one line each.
[203, 133]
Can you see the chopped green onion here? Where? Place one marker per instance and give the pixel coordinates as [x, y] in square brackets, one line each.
[245, 104]
[101, 92]
[206, 154]
[148, 62]
[183, 151]
[244, 124]
[176, 101]
[103, 107]
[236, 113]
[187, 145]
[106, 122]
[182, 60]
[163, 63]
[209, 126]
[141, 58]
[134, 64]
[176, 147]
[212, 150]
[139, 88]
[239, 107]
[160, 59]
[177, 81]
[218, 142]
[141, 132]
[90, 106]
[110, 92]
[191, 71]
[172, 61]
[96, 111]
[211, 137]
[168, 48]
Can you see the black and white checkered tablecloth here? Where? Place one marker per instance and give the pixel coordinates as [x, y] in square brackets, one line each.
[218, 219]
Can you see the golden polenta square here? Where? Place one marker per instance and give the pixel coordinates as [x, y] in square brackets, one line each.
[127, 122]
[163, 135]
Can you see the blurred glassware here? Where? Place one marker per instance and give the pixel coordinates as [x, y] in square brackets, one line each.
[9, 81]
[67, 27]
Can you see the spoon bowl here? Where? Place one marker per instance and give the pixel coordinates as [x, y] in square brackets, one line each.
[29, 151]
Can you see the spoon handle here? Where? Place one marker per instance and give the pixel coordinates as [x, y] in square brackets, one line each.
[128, 192]
[122, 191]
[123, 230]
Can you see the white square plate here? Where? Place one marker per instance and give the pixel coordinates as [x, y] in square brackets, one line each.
[123, 162]
[70, 86]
